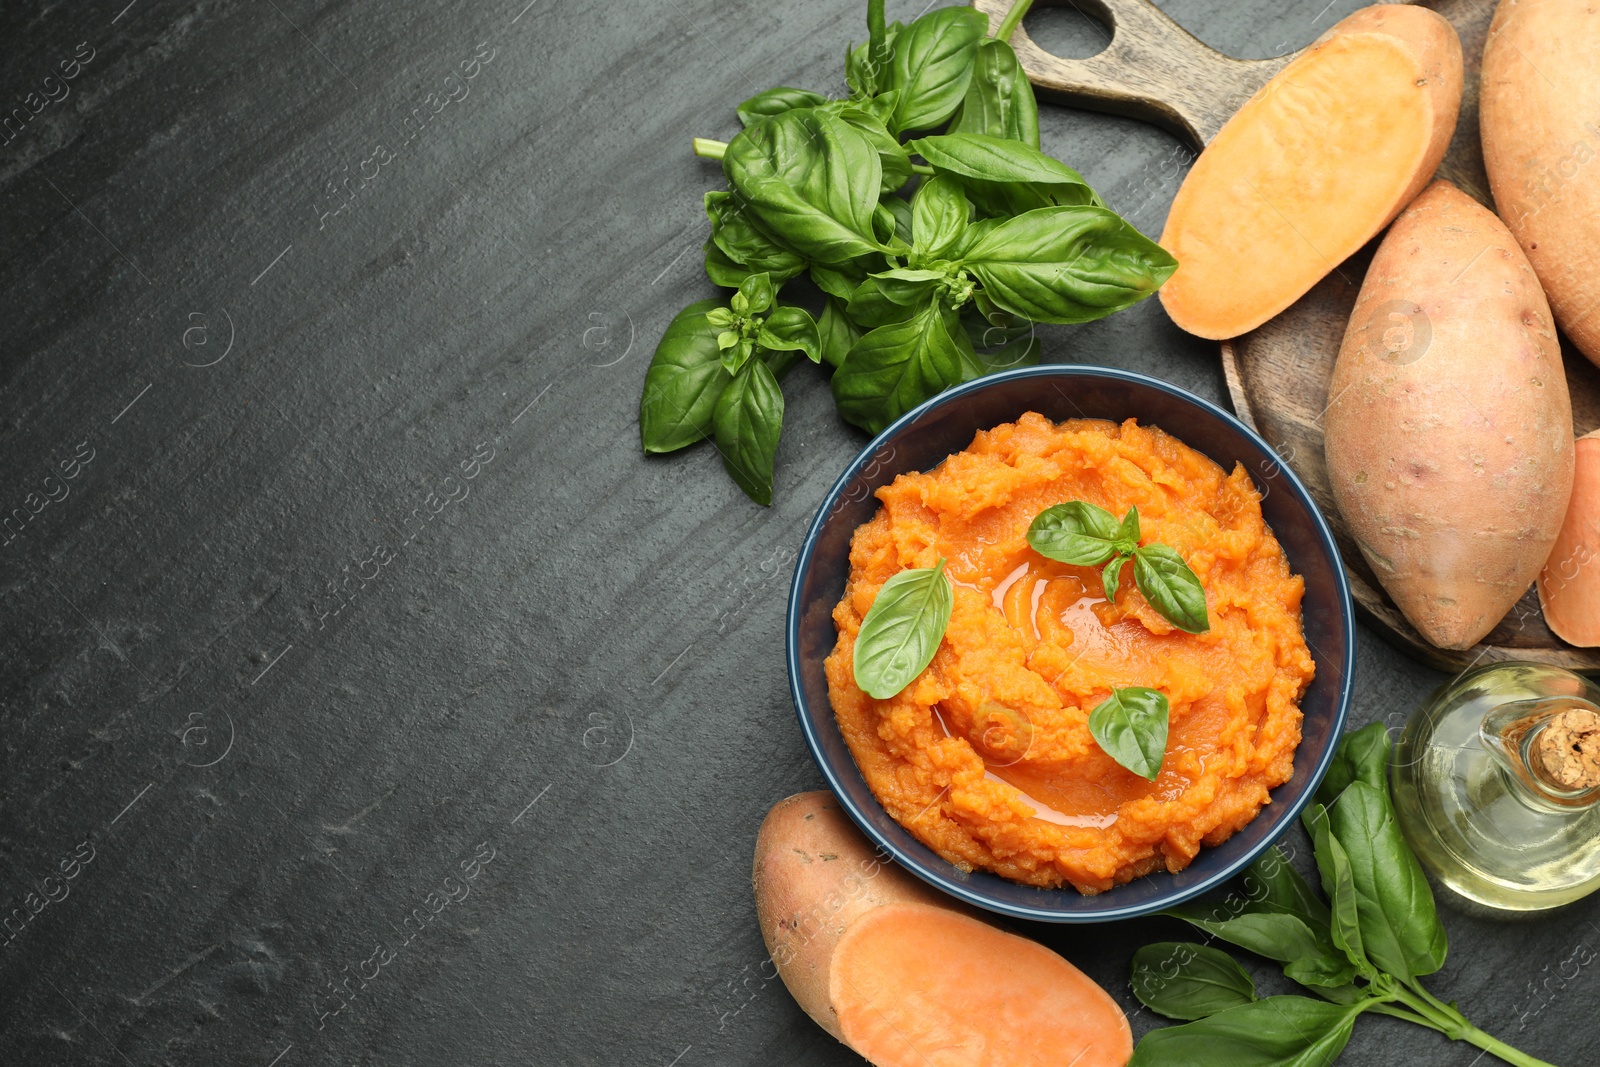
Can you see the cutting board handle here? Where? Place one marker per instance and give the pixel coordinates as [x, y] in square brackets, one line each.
[1152, 69]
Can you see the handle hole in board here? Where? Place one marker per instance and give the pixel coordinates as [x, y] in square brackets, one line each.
[1071, 29]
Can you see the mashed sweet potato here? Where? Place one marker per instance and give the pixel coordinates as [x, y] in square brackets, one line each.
[987, 757]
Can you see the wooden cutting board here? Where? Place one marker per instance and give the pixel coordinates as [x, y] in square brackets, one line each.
[1278, 374]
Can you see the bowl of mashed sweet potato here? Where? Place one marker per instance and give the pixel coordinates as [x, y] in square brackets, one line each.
[981, 775]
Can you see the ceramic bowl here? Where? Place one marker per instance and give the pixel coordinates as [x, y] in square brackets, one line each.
[922, 439]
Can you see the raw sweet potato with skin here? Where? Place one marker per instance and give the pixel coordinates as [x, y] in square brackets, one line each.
[1449, 431]
[1312, 167]
[904, 976]
[1569, 585]
[1540, 121]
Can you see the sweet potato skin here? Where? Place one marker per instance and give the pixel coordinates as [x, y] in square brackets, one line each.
[1230, 280]
[1569, 585]
[814, 875]
[1449, 434]
[1540, 122]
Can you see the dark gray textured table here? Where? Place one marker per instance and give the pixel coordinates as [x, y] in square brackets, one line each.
[366, 697]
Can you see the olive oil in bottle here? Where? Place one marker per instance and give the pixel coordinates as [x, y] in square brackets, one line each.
[1496, 781]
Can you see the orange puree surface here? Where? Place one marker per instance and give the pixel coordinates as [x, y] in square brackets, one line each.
[987, 757]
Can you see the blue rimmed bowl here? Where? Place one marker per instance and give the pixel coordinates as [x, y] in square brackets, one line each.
[922, 439]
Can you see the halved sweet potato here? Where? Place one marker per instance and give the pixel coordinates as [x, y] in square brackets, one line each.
[1569, 585]
[1311, 168]
[903, 975]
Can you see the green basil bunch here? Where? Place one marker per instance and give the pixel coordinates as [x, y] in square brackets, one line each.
[935, 252]
[1362, 950]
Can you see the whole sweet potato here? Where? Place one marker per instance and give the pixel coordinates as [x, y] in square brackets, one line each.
[1449, 432]
[1540, 121]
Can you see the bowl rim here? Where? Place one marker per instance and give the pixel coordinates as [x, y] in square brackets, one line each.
[1291, 810]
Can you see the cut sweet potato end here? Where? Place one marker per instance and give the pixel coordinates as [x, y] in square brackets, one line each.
[916, 986]
[1305, 174]
[1569, 585]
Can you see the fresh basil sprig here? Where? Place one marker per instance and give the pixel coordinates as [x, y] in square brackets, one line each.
[1087, 535]
[1363, 953]
[1130, 726]
[715, 374]
[928, 285]
[902, 630]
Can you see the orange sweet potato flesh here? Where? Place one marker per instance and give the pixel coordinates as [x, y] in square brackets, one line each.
[917, 986]
[1569, 586]
[906, 976]
[1311, 168]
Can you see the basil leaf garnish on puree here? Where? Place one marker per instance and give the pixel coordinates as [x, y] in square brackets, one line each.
[1087, 535]
[1130, 726]
[902, 630]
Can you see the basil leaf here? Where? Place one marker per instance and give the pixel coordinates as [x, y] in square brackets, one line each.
[999, 101]
[748, 419]
[776, 101]
[906, 287]
[1363, 755]
[1400, 928]
[1171, 587]
[893, 158]
[1189, 981]
[1338, 882]
[1281, 918]
[721, 268]
[1272, 884]
[812, 179]
[902, 630]
[1274, 1032]
[894, 368]
[1129, 530]
[791, 329]
[898, 212]
[1004, 176]
[683, 383]
[745, 243]
[1277, 936]
[871, 306]
[1064, 264]
[836, 333]
[736, 350]
[1000, 348]
[1111, 577]
[1130, 726]
[838, 281]
[1077, 532]
[879, 108]
[933, 65]
[939, 214]
[757, 292]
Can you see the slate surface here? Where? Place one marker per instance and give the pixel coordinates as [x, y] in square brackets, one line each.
[286, 320]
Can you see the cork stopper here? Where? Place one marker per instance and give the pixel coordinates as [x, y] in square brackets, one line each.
[1566, 753]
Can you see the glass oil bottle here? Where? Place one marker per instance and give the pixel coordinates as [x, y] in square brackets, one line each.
[1496, 781]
